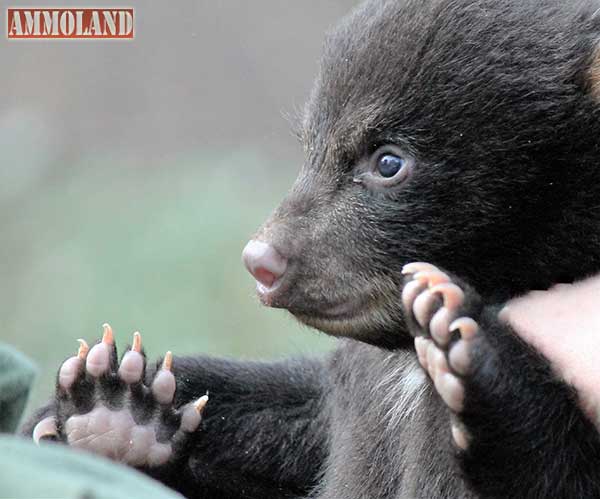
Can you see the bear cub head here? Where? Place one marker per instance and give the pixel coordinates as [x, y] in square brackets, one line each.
[465, 134]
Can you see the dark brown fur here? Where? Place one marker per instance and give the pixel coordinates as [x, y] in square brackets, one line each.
[498, 105]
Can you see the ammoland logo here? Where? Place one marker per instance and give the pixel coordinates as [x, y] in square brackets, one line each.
[59, 23]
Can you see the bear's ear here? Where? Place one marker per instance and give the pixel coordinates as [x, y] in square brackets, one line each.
[593, 75]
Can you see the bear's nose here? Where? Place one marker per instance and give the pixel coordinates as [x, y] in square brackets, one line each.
[264, 262]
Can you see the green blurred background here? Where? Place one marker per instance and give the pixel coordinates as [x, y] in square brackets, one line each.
[133, 173]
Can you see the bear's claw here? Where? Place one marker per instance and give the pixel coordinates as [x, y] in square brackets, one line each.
[444, 333]
[108, 407]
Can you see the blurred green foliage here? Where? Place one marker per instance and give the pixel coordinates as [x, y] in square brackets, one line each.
[150, 247]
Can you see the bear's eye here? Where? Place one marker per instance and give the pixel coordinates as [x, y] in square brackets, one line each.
[385, 167]
[389, 165]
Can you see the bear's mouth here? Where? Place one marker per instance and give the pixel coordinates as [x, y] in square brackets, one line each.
[338, 325]
[300, 302]
[343, 310]
[350, 317]
[369, 304]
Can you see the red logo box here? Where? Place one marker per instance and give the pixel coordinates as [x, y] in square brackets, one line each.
[108, 23]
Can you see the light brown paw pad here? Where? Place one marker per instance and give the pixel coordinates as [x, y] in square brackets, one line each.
[460, 436]
[446, 367]
[45, 429]
[115, 434]
[427, 285]
[163, 386]
[111, 409]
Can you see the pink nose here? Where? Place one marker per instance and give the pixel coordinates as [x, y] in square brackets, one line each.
[264, 262]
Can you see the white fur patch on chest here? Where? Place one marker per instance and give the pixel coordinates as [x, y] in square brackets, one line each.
[404, 388]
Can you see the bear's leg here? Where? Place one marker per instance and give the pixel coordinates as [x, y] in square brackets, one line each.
[516, 426]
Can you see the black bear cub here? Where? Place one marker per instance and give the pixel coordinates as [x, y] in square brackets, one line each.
[452, 165]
